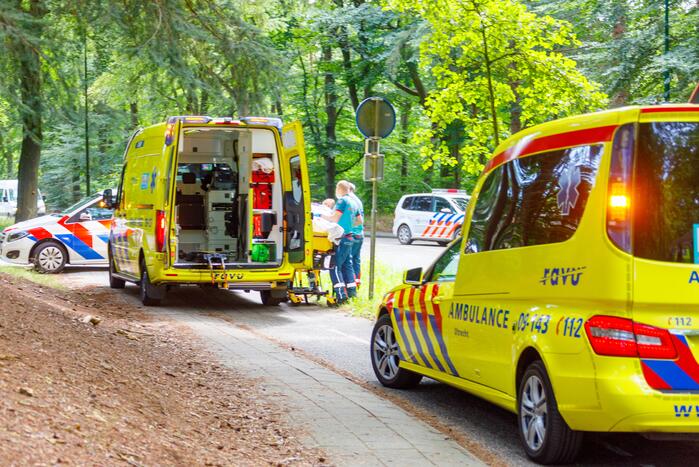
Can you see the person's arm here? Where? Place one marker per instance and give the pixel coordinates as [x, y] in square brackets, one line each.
[340, 207]
[334, 217]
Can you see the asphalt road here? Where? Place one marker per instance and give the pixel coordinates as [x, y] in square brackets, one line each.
[343, 341]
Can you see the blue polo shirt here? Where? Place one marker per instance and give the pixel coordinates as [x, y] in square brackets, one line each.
[358, 229]
[348, 208]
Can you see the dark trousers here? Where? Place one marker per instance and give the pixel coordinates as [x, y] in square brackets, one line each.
[357, 257]
[342, 275]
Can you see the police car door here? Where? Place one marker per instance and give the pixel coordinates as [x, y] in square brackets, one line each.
[297, 197]
[420, 215]
[89, 233]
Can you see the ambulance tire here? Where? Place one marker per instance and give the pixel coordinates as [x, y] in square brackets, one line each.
[151, 295]
[560, 444]
[402, 378]
[50, 258]
[114, 282]
[405, 237]
[269, 299]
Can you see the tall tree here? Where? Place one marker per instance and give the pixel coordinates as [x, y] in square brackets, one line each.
[23, 25]
[487, 55]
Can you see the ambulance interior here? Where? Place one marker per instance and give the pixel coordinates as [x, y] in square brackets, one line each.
[228, 203]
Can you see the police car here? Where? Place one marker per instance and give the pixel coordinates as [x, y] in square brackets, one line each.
[77, 236]
[430, 216]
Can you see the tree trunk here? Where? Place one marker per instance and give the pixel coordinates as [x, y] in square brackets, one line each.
[404, 137]
[516, 105]
[31, 116]
[347, 65]
[330, 126]
[133, 108]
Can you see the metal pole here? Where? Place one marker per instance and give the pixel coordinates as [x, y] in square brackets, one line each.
[374, 195]
[666, 80]
[87, 125]
[372, 254]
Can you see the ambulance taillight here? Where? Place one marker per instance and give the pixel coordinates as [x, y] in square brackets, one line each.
[160, 231]
[619, 204]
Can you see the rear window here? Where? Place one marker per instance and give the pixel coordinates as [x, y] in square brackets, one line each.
[534, 200]
[666, 192]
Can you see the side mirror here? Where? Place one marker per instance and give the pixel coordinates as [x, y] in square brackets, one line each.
[108, 198]
[4, 199]
[85, 216]
[413, 276]
[447, 210]
[43, 198]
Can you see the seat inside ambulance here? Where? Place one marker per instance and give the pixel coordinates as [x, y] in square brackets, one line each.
[228, 201]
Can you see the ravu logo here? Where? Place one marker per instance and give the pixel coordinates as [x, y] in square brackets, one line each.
[562, 276]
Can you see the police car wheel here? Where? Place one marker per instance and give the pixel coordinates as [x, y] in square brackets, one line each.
[151, 295]
[546, 437]
[50, 258]
[405, 237]
[385, 357]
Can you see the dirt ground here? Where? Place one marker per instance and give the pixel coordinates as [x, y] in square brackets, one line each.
[84, 383]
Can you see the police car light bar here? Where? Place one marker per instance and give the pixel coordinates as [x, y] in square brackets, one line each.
[451, 191]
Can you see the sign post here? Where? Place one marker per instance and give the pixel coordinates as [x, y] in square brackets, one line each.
[376, 119]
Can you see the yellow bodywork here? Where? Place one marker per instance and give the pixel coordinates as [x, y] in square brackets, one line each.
[149, 186]
[479, 331]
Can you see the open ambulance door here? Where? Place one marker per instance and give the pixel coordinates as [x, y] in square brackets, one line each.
[297, 198]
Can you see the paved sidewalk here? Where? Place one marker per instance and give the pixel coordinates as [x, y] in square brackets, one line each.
[352, 425]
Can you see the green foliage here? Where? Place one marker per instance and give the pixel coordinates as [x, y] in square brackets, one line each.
[315, 61]
[497, 66]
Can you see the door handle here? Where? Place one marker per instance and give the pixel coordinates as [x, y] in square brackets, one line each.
[437, 300]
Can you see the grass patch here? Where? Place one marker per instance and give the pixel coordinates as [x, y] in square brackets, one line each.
[6, 222]
[386, 277]
[28, 273]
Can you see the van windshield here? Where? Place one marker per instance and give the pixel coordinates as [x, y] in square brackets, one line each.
[666, 192]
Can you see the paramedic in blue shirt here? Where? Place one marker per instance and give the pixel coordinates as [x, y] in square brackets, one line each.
[346, 215]
[358, 232]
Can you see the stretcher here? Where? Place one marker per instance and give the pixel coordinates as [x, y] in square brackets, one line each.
[307, 283]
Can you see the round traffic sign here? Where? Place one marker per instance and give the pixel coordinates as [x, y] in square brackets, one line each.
[376, 117]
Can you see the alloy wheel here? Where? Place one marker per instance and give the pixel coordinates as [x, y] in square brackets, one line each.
[533, 413]
[404, 234]
[385, 352]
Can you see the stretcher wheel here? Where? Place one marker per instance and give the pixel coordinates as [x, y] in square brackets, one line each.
[294, 299]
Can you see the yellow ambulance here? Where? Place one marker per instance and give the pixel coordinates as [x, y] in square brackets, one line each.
[216, 201]
[572, 298]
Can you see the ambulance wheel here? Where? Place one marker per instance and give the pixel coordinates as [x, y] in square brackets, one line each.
[270, 299]
[50, 258]
[151, 295]
[546, 437]
[114, 282]
[385, 357]
[405, 237]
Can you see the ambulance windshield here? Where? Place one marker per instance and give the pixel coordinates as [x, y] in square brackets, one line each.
[666, 192]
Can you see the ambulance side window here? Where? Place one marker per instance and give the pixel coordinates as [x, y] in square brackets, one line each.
[534, 200]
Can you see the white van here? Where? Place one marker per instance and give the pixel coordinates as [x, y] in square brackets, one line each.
[8, 199]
